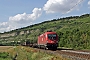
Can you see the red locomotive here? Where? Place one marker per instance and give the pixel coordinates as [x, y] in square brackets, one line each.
[48, 40]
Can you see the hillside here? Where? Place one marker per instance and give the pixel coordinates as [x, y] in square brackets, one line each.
[73, 32]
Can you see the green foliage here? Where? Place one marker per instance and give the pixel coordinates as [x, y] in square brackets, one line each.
[4, 56]
[73, 32]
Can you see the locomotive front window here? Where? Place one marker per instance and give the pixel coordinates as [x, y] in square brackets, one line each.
[52, 36]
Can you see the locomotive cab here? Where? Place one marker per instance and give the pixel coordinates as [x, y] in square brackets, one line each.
[48, 40]
[52, 41]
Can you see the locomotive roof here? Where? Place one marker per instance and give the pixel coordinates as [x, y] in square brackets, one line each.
[49, 32]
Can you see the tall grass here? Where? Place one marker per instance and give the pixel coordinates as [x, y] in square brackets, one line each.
[27, 53]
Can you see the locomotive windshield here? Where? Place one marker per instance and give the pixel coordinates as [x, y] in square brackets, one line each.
[52, 36]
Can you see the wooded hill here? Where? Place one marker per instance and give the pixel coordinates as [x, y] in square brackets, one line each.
[73, 32]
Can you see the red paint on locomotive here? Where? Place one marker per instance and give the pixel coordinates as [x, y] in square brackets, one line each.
[48, 40]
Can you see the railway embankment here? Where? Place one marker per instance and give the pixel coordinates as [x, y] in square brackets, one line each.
[28, 53]
[69, 54]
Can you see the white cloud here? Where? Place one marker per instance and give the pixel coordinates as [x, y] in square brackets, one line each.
[88, 2]
[26, 18]
[62, 6]
[5, 26]
[51, 6]
[20, 20]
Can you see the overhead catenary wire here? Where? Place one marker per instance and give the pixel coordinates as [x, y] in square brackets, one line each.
[73, 7]
[70, 8]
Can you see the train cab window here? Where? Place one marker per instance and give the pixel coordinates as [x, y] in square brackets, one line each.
[52, 36]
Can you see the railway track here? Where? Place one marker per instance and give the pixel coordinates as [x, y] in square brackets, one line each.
[75, 55]
[70, 54]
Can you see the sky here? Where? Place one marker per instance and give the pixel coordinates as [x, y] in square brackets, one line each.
[16, 14]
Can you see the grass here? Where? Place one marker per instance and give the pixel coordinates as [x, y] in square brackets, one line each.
[5, 48]
[26, 53]
[5, 56]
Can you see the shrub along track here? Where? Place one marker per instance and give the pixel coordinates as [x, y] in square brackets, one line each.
[28, 53]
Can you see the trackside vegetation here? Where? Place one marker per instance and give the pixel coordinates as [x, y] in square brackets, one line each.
[73, 32]
[27, 53]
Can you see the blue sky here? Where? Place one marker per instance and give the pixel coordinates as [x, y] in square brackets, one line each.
[21, 13]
